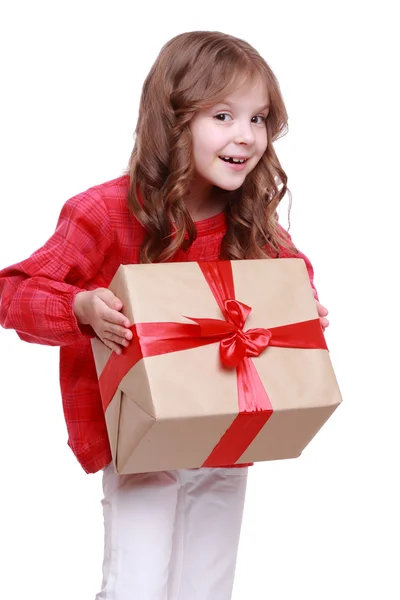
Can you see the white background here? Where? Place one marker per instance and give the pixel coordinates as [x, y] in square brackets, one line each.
[324, 526]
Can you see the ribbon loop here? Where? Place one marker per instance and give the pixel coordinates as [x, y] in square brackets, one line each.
[236, 312]
[232, 350]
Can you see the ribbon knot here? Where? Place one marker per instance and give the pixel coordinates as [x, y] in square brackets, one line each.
[241, 343]
[235, 343]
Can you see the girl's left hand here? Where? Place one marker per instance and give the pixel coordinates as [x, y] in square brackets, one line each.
[322, 313]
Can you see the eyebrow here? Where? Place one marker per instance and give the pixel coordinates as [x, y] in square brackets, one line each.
[226, 103]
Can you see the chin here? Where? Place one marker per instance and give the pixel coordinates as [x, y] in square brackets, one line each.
[231, 186]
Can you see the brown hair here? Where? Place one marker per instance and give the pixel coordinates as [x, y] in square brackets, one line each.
[196, 70]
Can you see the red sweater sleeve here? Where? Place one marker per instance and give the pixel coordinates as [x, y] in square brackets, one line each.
[37, 294]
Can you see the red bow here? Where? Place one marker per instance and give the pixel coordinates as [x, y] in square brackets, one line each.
[235, 343]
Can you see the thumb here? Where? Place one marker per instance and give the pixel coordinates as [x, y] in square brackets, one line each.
[109, 298]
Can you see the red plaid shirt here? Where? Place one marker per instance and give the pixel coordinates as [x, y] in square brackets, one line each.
[95, 234]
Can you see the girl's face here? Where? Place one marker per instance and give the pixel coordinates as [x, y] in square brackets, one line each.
[230, 138]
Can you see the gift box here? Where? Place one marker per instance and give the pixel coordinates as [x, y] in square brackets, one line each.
[228, 365]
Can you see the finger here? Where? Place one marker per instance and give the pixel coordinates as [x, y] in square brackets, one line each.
[122, 332]
[109, 299]
[322, 310]
[122, 341]
[324, 322]
[114, 317]
[112, 346]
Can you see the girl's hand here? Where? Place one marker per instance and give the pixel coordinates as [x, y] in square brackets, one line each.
[101, 310]
[322, 313]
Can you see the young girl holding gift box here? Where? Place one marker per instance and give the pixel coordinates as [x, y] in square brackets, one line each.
[204, 183]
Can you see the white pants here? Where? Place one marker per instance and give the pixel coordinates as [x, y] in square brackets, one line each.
[171, 535]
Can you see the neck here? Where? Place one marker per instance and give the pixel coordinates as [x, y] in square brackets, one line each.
[206, 205]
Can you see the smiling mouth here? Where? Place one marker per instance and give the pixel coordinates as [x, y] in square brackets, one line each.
[234, 161]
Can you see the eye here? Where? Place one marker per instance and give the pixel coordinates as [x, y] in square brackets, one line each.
[222, 117]
[259, 120]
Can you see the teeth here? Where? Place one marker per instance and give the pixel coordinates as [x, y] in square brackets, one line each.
[233, 160]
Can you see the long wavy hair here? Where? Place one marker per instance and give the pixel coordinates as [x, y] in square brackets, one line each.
[193, 71]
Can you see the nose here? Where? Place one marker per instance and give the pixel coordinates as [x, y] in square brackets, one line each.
[244, 133]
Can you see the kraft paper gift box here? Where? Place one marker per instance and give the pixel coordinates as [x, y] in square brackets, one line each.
[228, 364]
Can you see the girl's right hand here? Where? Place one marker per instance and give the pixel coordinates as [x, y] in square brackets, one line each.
[101, 310]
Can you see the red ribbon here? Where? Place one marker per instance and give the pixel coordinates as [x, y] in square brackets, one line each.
[237, 347]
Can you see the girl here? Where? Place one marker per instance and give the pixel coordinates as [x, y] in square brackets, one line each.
[204, 183]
